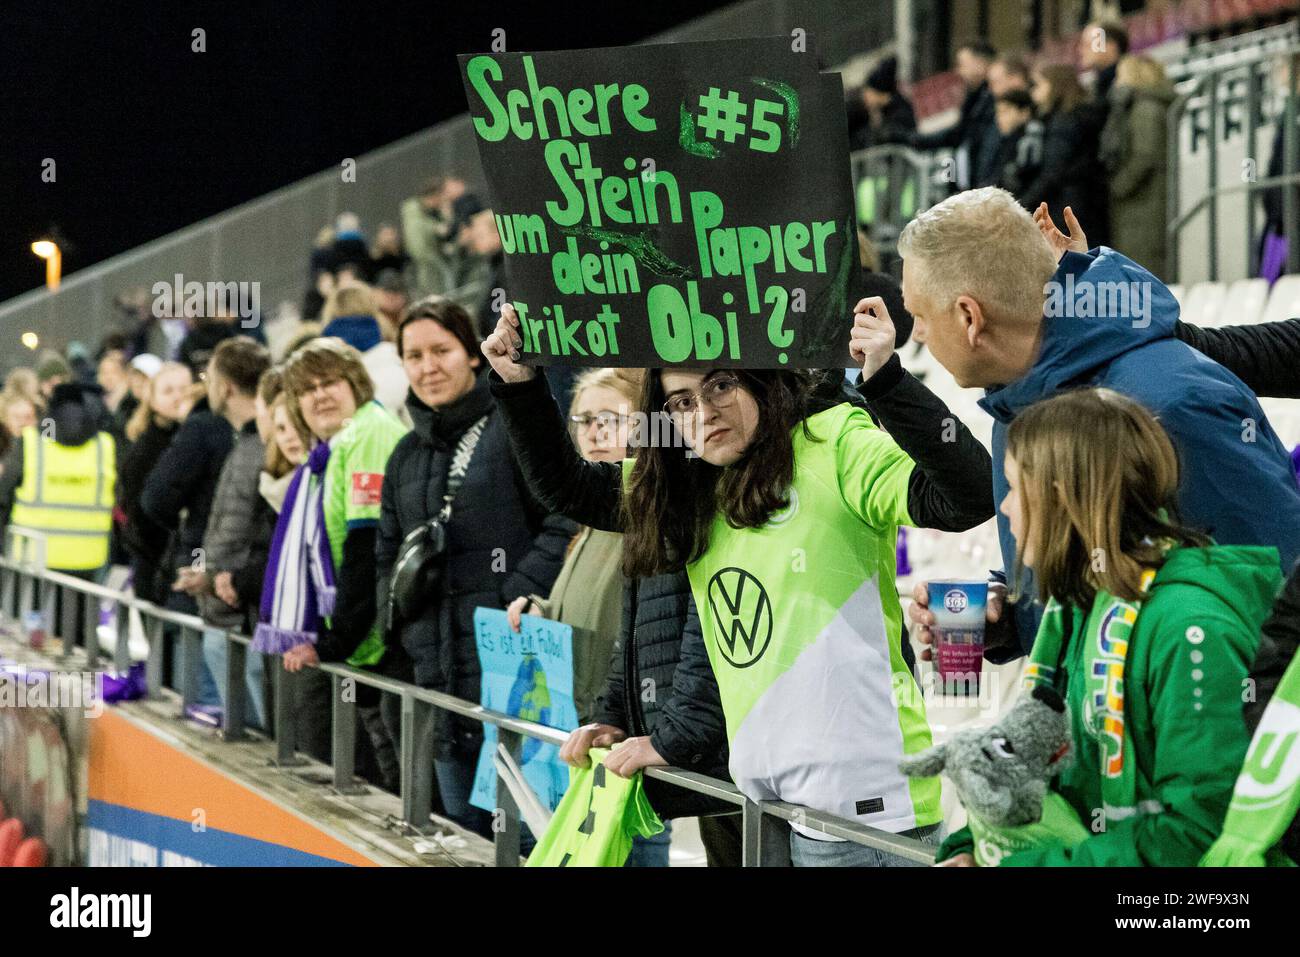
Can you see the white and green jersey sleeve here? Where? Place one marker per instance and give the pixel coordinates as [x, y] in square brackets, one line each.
[802, 624]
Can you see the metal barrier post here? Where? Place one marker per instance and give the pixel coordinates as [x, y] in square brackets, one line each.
[344, 741]
[46, 592]
[67, 623]
[153, 669]
[1252, 111]
[1291, 164]
[122, 647]
[26, 594]
[505, 820]
[286, 700]
[765, 838]
[90, 626]
[417, 762]
[1212, 213]
[236, 699]
[191, 649]
[8, 591]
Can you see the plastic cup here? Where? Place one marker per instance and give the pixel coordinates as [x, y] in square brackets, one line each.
[959, 608]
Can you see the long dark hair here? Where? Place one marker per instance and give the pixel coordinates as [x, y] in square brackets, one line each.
[672, 500]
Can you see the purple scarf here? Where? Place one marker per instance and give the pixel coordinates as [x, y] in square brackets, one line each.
[299, 587]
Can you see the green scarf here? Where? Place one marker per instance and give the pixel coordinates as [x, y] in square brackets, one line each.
[1105, 633]
[1267, 795]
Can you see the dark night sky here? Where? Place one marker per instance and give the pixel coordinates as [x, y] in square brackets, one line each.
[149, 136]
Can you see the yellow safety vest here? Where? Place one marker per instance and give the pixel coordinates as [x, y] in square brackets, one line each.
[67, 494]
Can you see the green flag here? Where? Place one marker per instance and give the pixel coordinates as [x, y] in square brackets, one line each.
[595, 823]
[1267, 795]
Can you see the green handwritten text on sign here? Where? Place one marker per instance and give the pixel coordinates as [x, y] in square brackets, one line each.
[671, 204]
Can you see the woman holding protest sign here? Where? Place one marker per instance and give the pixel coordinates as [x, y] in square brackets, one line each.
[783, 508]
[1148, 634]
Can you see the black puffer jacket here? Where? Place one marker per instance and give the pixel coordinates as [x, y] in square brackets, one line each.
[659, 613]
[145, 540]
[673, 694]
[178, 493]
[500, 545]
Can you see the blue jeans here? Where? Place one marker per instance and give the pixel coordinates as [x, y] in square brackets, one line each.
[809, 852]
[215, 653]
[455, 784]
[651, 851]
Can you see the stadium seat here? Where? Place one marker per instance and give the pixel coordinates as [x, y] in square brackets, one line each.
[1204, 303]
[1244, 302]
[1284, 301]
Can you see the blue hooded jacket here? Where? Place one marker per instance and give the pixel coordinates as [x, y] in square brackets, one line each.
[1237, 483]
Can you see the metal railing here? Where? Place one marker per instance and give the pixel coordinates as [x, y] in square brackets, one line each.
[764, 827]
[891, 184]
[1232, 51]
[1206, 91]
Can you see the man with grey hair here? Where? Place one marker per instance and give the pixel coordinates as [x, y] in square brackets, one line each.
[995, 307]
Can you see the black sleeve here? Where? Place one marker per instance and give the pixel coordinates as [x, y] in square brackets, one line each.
[354, 603]
[9, 482]
[538, 569]
[174, 478]
[611, 706]
[1266, 357]
[247, 579]
[951, 487]
[1278, 642]
[559, 478]
[388, 537]
[692, 732]
[1061, 155]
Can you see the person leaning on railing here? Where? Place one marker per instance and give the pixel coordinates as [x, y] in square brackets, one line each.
[59, 480]
[318, 602]
[780, 475]
[498, 542]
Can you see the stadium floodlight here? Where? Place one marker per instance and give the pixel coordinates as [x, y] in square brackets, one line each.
[31, 340]
[48, 250]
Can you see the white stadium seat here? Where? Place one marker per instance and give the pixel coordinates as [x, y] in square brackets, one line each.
[1204, 303]
[1244, 303]
[1284, 301]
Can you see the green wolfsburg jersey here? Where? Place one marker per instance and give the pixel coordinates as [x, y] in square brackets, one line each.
[354, 481]
[597, 819]
[802, 624]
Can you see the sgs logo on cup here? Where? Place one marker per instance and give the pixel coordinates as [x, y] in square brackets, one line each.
[955, 601]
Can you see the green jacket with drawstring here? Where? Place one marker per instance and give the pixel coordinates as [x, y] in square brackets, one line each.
[1184, 684]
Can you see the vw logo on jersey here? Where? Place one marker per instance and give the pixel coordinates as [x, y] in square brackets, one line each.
[955, 601]
[784, 515]
[742, 615]
[1272, 765]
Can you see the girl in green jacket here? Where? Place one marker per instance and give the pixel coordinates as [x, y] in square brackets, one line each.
[1149, 632]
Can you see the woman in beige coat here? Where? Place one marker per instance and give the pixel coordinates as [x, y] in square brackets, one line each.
[1134, 149]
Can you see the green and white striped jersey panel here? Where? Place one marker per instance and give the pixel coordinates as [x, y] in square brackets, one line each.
[828, 735]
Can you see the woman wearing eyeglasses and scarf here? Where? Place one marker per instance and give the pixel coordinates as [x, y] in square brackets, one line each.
[785, 515]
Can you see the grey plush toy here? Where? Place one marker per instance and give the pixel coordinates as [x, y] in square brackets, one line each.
[1001, 774]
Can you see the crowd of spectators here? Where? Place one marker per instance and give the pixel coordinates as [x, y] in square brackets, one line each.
[352, 487]
[1091, 135]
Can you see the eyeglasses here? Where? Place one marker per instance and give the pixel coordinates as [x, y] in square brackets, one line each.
[320, 385]
[719, 392]
[603, 420]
